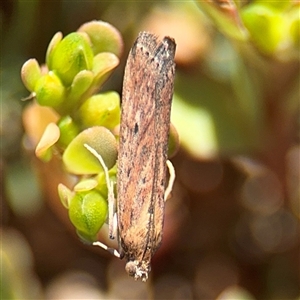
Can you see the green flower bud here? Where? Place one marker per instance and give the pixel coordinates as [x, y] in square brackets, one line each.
[102, 109]
[266, 25]
[68, 131]
[88, 212]
[50, 91]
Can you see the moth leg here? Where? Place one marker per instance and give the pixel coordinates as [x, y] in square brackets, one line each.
[112, 216]
[110, 250]
[112, 212]
[171, 180]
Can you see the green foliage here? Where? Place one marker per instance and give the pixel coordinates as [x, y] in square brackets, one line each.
[220, 108]
[76, 67]
[270, 26]
[78, 160]
[74, 71]
[267, 26]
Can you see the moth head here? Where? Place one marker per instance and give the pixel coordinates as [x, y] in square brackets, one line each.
[138, 270]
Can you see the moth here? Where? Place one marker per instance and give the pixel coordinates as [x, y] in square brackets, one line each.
[142, 157]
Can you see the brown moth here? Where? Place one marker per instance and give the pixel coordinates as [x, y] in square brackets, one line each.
[143, 146]
[142, 158]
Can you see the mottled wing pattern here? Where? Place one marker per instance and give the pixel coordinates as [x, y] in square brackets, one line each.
[144, 131]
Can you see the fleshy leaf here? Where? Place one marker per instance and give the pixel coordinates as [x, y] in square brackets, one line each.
[35, 119]
[52, 45]
[104, 37]
[65, 195]
[81, 83]
[50, 137]
[85, 185]
[104, 64]
[79, 160]
[30, 74]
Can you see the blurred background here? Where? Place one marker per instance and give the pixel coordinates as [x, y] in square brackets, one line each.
[232, 225]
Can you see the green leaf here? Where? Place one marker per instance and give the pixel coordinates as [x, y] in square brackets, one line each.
[52, 45]
[65, 195]
[30, 74]
[50, 137]
[86, 185]
[79, 160]
[104, 37]
[80, 85]
[104, 64]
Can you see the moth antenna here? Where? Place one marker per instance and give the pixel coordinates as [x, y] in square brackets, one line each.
[171, 180]
[110, 196]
